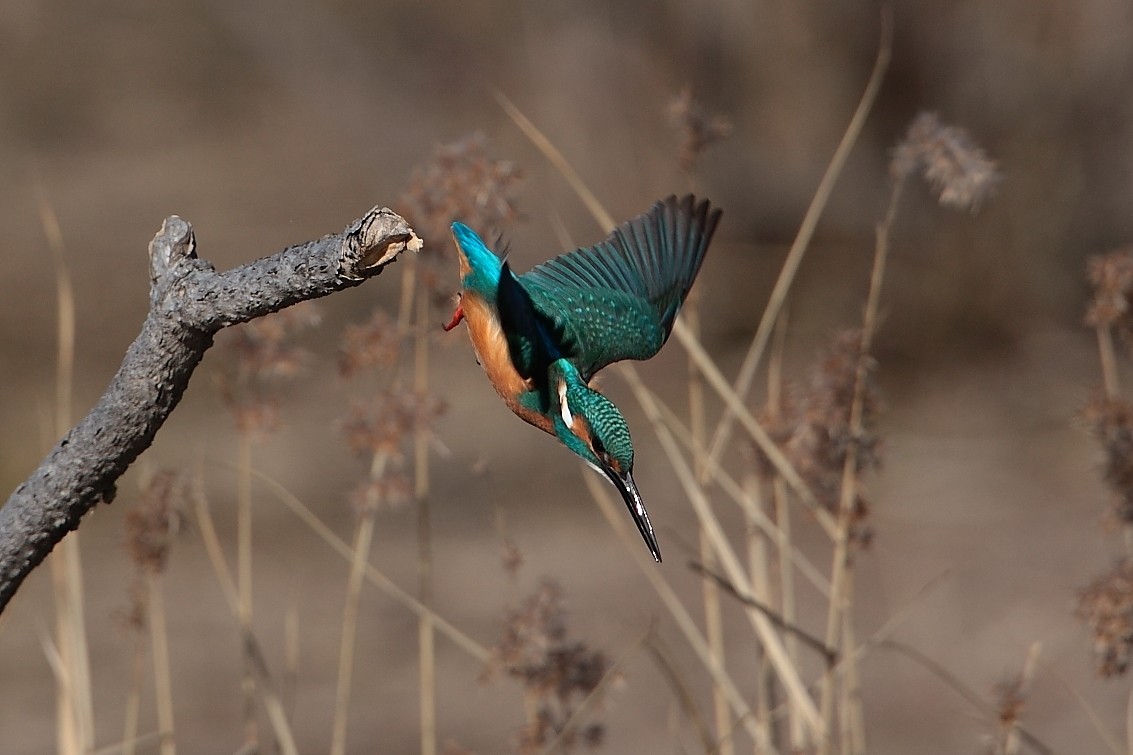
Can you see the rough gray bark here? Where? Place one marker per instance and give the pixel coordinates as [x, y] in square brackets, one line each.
[189, 303]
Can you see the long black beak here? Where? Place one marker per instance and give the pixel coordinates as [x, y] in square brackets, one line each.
[625, 485]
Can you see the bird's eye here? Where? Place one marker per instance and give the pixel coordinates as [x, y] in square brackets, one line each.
[599, 449]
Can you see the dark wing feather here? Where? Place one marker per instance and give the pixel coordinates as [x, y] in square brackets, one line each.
[618, 299]
[531, 342]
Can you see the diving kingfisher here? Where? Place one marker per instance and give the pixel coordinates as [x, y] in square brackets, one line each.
[541, 336]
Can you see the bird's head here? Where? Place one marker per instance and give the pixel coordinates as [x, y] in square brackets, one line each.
[593, 428]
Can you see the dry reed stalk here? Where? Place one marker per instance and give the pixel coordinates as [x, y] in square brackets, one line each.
[681, 617]
[244, 580]
[713, 618]
[766, 445]
[1108, 738]
[375, 577]
[290, 683]
[735, 491]
[277, 718]
[1110, 380]
[134, 696]
[750, 364]
[796, 734]
[163, 682]
[591, 699]
[1103, 326]
[771, 641]
[758, 560]
[150, 528]
[666, 664]
[363, 539]
[74, 704]
[262, 356]
[425, 635]
[841, 564]
[556, 158]
[1013, 699]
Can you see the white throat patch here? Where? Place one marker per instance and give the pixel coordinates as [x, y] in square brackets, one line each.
[564, 409]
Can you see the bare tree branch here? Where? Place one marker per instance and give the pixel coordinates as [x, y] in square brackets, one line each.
[189, 303]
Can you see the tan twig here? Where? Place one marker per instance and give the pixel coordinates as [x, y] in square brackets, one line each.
[772, 644]
[840, 577]
[360, 558]
[75, 706]
[666, 664]
[829, 654]
[162, 677]
[376, 577]
[252, 652]
[806, 231]
[952, 682]
[244, 579]
[134, 696]
[595, 694]
[425, 635]
[1109, 362]
[713, 619]
[604, 219]
[1026, 680]
[736, 492]
[680, 615]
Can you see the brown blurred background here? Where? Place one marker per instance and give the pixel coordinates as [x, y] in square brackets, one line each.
[267, 124]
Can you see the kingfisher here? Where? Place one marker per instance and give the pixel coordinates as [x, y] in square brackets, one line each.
[541, 336]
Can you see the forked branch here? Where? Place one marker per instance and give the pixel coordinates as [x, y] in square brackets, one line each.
[189, 303]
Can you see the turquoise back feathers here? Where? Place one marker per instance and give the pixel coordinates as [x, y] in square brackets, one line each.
[615, 300]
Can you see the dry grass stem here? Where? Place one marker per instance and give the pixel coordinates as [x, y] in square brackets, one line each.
[743, 500]
[681, 617]
[666, 664]
[560, 677]
[363, 539]
[425, 635]
[791, 264]
[552, 153]
[713, 619]
[772, 644]
[266, 690]
[74, 703]
[762, 439]
[376, 577]
[1013, 698]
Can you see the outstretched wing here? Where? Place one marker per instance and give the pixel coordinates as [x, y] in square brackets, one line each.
[618, 299]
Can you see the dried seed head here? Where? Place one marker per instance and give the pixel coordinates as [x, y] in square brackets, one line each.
[388, 421]
[463, 182]
[813, 424]
[956, 168]
[375, 343]
[263, 347]
[1111, 277]
[262, 356]
[1010, 699]
[1106, 605]
[152, 525]
[1111, 422]
[389, 492]
[698, 130]
[556, 673]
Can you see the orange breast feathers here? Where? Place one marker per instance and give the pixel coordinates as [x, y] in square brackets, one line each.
[491, 350]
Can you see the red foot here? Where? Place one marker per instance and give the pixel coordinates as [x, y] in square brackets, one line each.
[457, 316]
